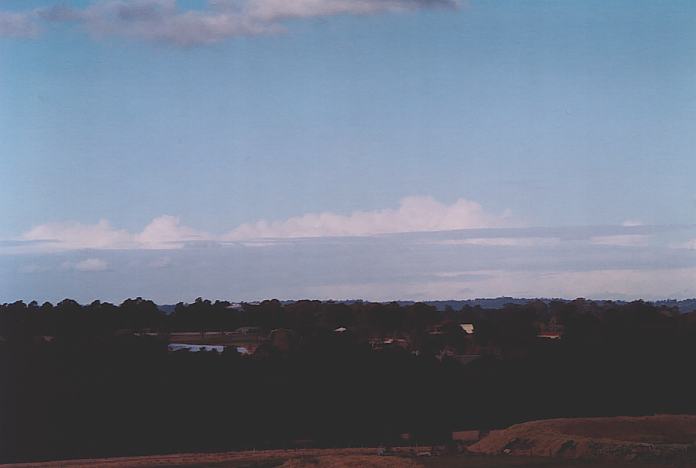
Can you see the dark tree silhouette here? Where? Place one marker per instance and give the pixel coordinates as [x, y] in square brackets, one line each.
[98, 380]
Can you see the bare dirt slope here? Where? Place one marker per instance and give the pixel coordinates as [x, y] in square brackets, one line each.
[339, 458]
[315, 458]
[595, 442]
[663, 437]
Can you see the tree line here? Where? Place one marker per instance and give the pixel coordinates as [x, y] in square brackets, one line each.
[98, 380]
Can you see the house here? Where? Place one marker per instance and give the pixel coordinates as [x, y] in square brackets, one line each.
[468, 328]
[194, 348]
[549, 335]
[379, 344]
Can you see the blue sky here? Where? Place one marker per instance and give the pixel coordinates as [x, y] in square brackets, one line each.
[139, 129]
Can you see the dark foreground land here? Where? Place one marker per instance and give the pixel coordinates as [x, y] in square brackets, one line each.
[100, 380]
[339, 458]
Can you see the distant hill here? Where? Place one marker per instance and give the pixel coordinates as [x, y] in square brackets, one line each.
[684, 306]
[490, 303]
[166, 309]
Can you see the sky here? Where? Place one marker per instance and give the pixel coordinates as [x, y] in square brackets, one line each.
[376, 149]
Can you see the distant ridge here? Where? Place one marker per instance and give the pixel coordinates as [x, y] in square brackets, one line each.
[684, 305]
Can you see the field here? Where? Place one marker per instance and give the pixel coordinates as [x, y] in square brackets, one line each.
[340, 458]
[649, 442]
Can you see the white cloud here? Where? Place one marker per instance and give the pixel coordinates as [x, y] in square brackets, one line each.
[274, 10]
[505, 241]
[626, 284]
[70, 236]
[690, 244]
[414, 214]
[89, 264]
[656, 283]
[412, 266]
[166, 21]
[167, 232]
[622, 240]
[163, 232]
[22, 24]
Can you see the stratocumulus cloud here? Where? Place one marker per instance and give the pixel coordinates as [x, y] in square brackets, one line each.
[478, 262]
[461, 223]
[690, 244]
[21, 24]
[168, 232]
[414, 214]
[504, 241]
[623, 240]
[163, 232]
[72, 235]
[413, 266]
[87, 265]
[167, 21]
[624, 284]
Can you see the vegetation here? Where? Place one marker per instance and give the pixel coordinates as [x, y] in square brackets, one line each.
[98, 380]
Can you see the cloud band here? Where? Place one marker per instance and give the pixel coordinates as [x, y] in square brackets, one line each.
[166, 21]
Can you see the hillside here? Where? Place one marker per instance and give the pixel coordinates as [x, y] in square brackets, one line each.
[663, 437]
